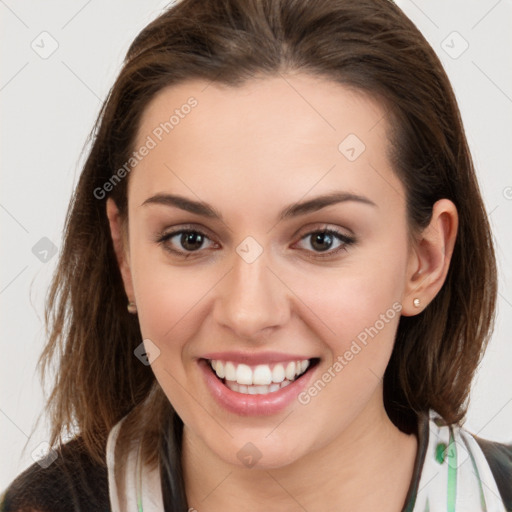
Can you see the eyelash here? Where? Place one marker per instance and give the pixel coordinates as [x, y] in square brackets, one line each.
[345, 240]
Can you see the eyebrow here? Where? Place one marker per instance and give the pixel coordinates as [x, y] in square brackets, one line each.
[293, 210]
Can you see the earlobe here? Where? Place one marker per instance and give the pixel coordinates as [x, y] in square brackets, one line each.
[430, 258]
[120, 246]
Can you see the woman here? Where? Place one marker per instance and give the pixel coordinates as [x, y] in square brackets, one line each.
[269, 296]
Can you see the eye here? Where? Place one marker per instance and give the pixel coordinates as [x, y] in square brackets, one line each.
[322, 241]
[188, 241]
[185, 242]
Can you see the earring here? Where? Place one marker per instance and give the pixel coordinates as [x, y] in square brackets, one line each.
[416, 302]
[132, 308]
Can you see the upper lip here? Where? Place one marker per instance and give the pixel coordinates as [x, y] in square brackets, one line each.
[255, 357]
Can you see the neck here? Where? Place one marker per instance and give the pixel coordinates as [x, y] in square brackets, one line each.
[369, 466]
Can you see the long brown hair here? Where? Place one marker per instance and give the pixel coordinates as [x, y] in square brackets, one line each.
[369, 45]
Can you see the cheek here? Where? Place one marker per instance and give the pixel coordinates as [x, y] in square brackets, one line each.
[170, 304]
[357, 321]
[350, 299]
[355, 311]
[168, 298]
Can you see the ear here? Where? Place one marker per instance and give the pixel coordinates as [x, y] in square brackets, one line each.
[430, 258]
[120, 241]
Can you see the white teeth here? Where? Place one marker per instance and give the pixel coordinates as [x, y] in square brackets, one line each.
[243, 374]
[290, 370]
[219, 369]
[230, 371]
[262, 375]
[256, 390]
[278, 373]
[260, 379]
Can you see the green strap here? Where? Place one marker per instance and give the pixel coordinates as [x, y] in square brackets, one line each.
[452, 474]
[139, 479]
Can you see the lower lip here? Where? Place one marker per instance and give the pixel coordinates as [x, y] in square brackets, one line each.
[253, 405]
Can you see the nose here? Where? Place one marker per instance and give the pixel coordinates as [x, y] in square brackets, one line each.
[251, 300]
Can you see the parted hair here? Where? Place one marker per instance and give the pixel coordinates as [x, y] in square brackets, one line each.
[367, 45]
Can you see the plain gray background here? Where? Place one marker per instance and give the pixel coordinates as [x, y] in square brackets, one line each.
[59, 61]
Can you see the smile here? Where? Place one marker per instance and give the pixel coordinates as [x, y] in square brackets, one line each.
[258, 380]
[253, 387]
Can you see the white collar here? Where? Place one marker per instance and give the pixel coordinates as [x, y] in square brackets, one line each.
[455, 475]
[143, 488]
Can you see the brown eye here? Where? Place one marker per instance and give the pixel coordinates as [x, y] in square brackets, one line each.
[322, 241]
[183, 242]
[191, 240]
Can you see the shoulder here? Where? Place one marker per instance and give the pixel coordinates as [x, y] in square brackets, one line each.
[72, 482]
[499, 458]
[456, 464]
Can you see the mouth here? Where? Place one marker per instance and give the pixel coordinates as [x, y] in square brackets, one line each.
[260, 379]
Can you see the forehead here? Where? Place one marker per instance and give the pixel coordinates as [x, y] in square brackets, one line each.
[275, 104]
[285, 132]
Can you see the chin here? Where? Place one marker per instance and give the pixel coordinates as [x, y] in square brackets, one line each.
[260, 453]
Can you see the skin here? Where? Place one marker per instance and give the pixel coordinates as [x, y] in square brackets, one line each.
[250, 152]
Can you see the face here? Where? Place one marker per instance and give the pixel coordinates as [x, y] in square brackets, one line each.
[268, 239]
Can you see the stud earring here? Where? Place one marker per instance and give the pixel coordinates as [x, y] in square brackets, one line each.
[416, 302]
[132, 308]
